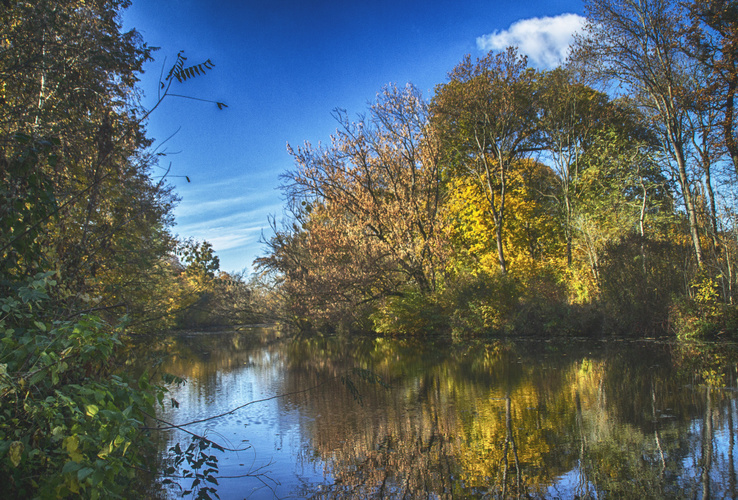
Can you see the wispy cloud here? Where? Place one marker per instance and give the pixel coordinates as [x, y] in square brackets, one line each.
[231, 214]
[230, 241]
[545, 40]
[234, 238]
[203, 207]
[202, 185]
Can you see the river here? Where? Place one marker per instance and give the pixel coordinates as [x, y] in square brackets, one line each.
[330, 417]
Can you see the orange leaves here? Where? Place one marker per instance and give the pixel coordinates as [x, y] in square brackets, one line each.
[379, 176]
[366, 211]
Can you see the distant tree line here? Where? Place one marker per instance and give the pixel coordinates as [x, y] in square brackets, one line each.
[594, 197]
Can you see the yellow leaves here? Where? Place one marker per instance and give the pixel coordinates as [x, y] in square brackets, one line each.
[581, 283]
[72, 483]
[71, 446]
[113, 445]
[6, 382]
[531, 235]
[91, 410]
[705, 291]
[15, 453]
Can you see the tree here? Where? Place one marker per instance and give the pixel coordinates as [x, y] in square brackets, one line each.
[68, 75]
[84, 227]
[375, 191]
[639, 44]
[81, 194]
[329, 272]
[714, 42]
[486, 116]
[571, 116]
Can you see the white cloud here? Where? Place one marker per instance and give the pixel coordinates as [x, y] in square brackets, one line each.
[227, 241]
[545, 40]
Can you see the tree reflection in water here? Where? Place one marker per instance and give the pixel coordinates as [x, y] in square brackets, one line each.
[495, 420]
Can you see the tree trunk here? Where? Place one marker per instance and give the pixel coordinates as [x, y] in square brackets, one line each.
[688, 201]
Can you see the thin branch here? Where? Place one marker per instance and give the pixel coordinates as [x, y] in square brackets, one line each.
[193, 434]
[180, 426]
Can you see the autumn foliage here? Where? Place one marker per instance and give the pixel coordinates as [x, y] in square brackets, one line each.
[87, 255]
[588, 198]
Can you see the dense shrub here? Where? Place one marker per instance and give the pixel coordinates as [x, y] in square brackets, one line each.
[69, 426]
[702, 315]
[639, 279]
[482, 304]
[410, 313]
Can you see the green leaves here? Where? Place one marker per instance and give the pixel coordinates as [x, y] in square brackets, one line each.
[27, 200]
[66, 420]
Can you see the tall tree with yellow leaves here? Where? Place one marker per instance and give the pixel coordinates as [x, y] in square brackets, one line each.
[486, 115]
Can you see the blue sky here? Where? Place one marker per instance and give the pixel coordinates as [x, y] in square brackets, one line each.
[282, 66]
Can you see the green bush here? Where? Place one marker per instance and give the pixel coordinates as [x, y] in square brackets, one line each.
[639, 280]
[411, 313]
[482, 304]
[68, 423]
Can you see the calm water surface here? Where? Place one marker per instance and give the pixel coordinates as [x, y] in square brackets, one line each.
[531, 419]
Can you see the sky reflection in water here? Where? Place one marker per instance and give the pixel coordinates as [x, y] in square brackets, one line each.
[548, 419]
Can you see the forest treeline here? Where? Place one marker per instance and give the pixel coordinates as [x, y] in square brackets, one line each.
[595, 197]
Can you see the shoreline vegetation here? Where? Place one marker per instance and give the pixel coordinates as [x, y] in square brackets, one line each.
[595, 198]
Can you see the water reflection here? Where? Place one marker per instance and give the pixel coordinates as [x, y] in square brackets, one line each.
[501, 420]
